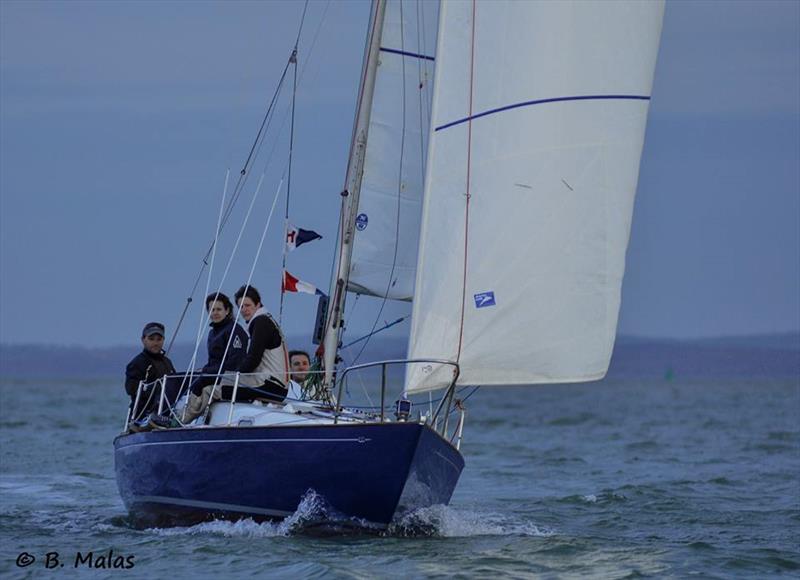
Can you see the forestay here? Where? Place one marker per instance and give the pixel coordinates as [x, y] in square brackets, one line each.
[387, 227]
[538, 124]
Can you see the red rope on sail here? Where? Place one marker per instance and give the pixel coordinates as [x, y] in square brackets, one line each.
[469, 167]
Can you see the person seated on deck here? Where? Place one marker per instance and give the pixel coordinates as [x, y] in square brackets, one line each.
[227, 342]
[149, 365]
[264, 368]
[299, 363]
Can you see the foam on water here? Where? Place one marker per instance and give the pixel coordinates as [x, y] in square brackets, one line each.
[246, 528]
[447, 522]
[602, 497]
[313, 513]
[314, 516]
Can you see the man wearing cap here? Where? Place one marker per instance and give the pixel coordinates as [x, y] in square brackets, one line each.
[148, 366]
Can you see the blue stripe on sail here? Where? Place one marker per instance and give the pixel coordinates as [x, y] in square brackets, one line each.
[543, 101]
[404, 53]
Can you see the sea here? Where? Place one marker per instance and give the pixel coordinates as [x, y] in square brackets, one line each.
[683, 462]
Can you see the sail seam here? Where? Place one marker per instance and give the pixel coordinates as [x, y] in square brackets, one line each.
[542, 102]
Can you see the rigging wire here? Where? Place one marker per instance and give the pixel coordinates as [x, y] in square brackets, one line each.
[243, 174]
[288, 186]
[291, 111]
[268, 116]
[259, 143]
[255, 260]
[472, 392]
[225, 275]
[205, 317]
[314, 40]
[366, 336]
[230, 261]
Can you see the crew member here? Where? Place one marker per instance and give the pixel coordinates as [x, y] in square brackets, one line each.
[299, 362]
[149, 365]
[266, 362]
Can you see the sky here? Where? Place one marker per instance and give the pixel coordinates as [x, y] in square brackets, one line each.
[119, 120]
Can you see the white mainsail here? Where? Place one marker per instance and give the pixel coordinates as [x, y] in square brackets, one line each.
[538, 124]
[387, 226]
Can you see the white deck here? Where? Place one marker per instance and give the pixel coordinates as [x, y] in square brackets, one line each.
[288, 413]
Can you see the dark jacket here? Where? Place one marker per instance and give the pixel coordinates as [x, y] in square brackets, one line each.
[147, 367]
[218, 340]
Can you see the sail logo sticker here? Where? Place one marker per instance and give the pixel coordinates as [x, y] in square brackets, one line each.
[361, 222]
[484, 299]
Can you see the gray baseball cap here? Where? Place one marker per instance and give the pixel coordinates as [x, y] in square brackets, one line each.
[152, 328]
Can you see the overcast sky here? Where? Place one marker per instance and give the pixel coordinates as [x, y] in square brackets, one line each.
[118, 121]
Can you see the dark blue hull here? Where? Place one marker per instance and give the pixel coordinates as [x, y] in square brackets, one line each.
[367, 471]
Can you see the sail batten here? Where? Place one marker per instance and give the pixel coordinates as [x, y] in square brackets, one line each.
[538, 124]
[407, 53]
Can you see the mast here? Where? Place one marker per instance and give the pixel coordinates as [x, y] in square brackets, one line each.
[355, 171]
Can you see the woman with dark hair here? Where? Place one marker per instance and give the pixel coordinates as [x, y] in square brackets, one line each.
[225, 334]
[263, 368]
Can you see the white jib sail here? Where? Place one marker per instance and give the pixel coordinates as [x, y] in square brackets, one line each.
[387, 228]
[538, 124]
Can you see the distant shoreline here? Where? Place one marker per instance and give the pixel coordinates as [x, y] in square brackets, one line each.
[760, 355]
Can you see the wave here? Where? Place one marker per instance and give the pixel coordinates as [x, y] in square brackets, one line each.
[572, 420]
[42, 488]
[315, 517]
[449, 522]
[313, 513]
[591, 498]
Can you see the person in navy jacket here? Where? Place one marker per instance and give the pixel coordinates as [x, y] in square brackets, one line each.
[224, 330]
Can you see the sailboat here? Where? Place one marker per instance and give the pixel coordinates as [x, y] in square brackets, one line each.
[510, 246]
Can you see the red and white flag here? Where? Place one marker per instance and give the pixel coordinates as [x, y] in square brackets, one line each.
[292, 284]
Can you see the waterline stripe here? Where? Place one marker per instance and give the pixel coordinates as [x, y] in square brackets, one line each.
[208, 505]
[405, 53]
[298, 440]
[543, 101]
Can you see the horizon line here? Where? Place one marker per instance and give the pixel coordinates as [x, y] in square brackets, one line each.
[638, 337]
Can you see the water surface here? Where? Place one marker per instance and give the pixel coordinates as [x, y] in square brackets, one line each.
[630, 477]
